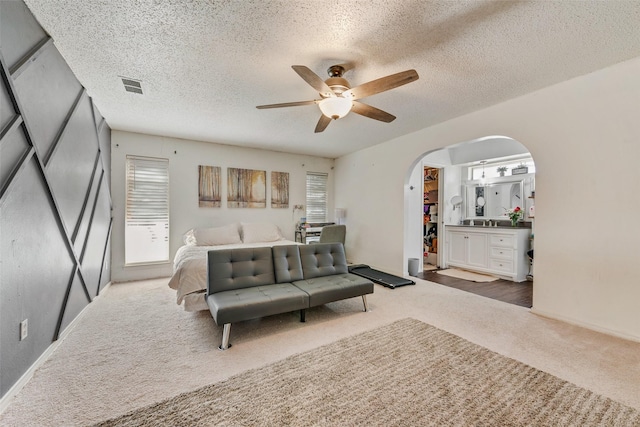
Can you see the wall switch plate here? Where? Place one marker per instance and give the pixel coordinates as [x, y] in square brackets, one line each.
[24, 329]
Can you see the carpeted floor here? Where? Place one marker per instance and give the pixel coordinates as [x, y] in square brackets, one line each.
[406, 373]
[133, 347]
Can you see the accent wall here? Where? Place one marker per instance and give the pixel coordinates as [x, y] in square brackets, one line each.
[55, 203]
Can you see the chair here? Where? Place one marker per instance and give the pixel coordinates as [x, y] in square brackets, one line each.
[333, 234]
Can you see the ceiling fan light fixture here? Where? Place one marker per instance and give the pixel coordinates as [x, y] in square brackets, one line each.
[337, 97]
[335, 107]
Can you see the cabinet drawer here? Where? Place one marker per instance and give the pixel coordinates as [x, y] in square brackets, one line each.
[502, 241]
[501, 265]
[502, 253]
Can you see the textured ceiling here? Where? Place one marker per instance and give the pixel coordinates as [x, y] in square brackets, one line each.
[205, 65]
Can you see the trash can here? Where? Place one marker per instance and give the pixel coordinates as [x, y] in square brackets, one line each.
[413, 266]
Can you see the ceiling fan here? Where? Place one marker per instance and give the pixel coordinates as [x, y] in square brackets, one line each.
[338, 98]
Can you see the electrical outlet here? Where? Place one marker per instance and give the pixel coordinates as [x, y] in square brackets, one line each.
[24, 329]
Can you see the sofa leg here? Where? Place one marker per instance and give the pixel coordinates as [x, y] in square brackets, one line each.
[225, 336]
[302, 316]
[364, 301]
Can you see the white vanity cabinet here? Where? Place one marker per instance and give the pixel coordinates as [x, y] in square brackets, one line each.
[467, 248]
[499, 251]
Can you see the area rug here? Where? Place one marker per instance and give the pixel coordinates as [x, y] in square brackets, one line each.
[467, 275]
[405, 373]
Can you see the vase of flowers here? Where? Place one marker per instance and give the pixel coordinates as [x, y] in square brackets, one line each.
[502, 170]
[514, 215]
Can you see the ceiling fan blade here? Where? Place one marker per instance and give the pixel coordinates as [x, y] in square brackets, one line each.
[382, 84]
[286, 104]
[322, 123]
[314, 80]
[372, 112]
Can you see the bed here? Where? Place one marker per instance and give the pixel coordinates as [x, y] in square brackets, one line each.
[189, 278]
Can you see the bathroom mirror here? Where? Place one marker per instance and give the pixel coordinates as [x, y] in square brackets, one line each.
[493, 200]
[456, 201]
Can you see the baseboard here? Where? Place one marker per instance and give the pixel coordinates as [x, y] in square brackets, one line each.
[24, 379]
[585, 325]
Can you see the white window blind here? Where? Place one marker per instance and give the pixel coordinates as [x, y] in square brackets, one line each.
[316, 197]
[147, 211]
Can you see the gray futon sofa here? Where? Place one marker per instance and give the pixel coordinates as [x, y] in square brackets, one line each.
[248, 283]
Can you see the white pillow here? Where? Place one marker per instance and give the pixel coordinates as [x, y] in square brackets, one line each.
[224, 235]
[255, 232]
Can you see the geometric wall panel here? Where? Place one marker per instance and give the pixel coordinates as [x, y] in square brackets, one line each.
[6, 107]
[85, 222]
[55, 205]
[19, 31]
[97, 117]
[105, 146]
[35, 274]
[91, 258]
[12, 148]
[105, 276]
[75, 303]
[71, 166]
[45, 106]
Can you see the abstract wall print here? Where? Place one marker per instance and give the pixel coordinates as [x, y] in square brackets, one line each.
[209, 186]
[280, 189]
[246, 188]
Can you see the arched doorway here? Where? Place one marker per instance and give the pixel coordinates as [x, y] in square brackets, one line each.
[443, 187]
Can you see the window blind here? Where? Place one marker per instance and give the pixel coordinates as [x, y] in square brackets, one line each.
[316, 197]
[147, 210]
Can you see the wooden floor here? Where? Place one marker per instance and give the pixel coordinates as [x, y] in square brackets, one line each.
[503, 290]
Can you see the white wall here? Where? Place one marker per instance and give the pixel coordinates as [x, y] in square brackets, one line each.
[414, 218]
[584, 136]
[453, 187]
[184, 157]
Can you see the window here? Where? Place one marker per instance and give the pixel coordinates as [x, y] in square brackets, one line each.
[146, 233]
[490, 170]
[316, 197]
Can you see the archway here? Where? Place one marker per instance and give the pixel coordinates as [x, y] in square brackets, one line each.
[454, 162]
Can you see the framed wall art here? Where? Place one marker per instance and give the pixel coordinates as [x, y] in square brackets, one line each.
[280, 189]
[246, 188]
[209, 186]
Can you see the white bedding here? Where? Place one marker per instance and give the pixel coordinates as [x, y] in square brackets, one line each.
[190, 271]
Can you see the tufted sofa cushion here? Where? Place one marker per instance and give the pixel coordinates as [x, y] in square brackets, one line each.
[286, 263]
[250, 303]
[325, 289]
[323, 259]
[239, 268]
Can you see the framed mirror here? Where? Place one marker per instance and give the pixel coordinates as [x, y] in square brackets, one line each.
[493, 200]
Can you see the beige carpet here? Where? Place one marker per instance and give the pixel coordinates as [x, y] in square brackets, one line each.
[405, 373]
[467, 275]
[133, 347]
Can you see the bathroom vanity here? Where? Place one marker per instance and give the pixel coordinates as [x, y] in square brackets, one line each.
[500, 251]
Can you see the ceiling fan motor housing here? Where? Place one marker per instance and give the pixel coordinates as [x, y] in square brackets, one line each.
[338, 85]
[335, 71]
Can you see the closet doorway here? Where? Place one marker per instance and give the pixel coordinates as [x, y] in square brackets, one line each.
[431, 223]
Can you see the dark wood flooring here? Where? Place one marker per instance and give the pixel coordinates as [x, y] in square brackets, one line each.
[503, 290]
